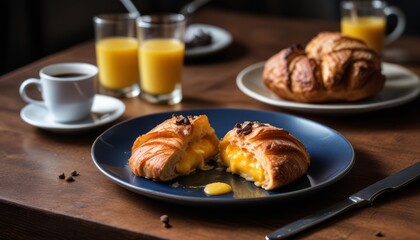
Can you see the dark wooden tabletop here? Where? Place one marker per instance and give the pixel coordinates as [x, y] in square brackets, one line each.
[36, 204]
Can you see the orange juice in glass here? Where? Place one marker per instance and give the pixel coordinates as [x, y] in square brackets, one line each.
[156, 55]
[161, 57]
[366, 20]
[369, 29]
[118, 62]
[117, 54]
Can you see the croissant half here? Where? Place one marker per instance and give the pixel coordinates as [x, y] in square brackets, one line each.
[173, 148]
[269, 156]
[331, 68]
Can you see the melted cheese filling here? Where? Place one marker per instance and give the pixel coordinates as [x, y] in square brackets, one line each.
[243, 163]
[195, 156]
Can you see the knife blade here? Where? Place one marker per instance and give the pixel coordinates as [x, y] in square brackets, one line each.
[364, 197]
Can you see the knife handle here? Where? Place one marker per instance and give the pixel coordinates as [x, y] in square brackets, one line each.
[391, 183]
[309, 221]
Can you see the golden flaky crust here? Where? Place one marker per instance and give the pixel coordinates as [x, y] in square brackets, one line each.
[156, 154]
[331, 68]
[283, 157]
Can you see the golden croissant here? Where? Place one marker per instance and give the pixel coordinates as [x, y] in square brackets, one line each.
[331, 68]
[174, 148]
[269, 156]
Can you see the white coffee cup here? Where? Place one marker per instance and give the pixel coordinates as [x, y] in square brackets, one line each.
[67, 90]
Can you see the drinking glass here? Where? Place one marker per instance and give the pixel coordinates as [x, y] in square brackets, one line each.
[117, 54]
[161, 57]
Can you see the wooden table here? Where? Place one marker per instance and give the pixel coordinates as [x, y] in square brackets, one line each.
[35, 204]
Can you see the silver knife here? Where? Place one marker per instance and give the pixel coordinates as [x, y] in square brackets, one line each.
[362, 198]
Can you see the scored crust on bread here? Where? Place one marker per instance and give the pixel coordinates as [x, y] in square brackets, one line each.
[331, 68]
[268, 156]
[174, 148]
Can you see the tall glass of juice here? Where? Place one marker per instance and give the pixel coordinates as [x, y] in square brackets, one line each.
[117, 54]
[161, 57]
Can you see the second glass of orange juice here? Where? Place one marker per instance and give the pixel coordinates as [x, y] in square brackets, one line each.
[117, 54]
[161, 57]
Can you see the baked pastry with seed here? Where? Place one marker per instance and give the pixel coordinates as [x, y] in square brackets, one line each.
[269, 156]
[331, 68]
[174, 148]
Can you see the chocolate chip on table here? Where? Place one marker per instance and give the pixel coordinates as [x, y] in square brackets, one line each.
[165, 220]
[379, 234]
[69, 179]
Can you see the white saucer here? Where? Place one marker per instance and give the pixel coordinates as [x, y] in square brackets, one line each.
[401, 86]
[105, 109]
[220, 39]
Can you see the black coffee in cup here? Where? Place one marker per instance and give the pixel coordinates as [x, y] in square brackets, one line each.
[68, 75]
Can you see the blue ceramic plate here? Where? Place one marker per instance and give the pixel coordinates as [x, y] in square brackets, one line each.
[331, 154]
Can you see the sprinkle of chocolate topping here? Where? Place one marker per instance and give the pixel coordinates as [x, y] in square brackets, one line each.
[238, 127]
[247, 132]
[61, 176]
[246, 128]
[239, 131]
[74, 173]
[181, 120]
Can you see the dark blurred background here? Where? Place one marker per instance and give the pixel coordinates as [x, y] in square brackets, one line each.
[32, 29]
